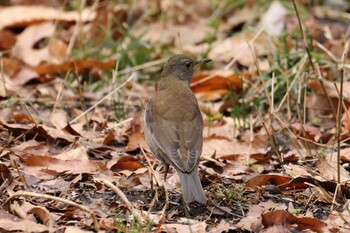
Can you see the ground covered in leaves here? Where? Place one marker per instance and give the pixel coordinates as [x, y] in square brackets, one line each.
[75, 77]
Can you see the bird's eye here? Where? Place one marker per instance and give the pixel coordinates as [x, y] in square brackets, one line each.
[188, 65]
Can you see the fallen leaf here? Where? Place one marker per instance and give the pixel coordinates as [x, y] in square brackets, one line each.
[130, 163]
[230, 47]
[282, 182]
[17, 16]
[328, 169]
[224, 80]
[187, 226]
[7, 40]
[253, 217]
[23, 226]
[5, 174]
[82, 65]
[281, 217]
[24, 47]
[274, 18]
[68, 166]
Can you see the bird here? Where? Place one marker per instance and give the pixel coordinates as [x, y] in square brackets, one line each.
[174, 125]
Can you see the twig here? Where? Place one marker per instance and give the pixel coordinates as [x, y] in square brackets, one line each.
[340, 107]
[142, 66]
[104, 98]
[157, 181]
[310, 58]
[59, 199]
[122, 196]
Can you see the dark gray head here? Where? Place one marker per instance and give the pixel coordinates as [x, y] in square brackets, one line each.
[182, 66]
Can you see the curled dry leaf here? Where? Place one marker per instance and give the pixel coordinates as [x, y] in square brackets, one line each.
[282, 182]
[329, 186]
[130, 163]
[24, 47]
[252, 220]
[283, 217]
[221, 81]
[18, 16]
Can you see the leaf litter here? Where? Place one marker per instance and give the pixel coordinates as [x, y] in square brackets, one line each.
[271, 140]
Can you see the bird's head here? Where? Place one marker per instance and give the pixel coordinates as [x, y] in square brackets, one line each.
[182, 66]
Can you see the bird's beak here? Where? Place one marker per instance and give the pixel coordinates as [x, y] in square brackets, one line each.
[202, 62]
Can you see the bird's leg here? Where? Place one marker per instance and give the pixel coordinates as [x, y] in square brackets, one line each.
[166, 166]
[151, 183]
[187, 213]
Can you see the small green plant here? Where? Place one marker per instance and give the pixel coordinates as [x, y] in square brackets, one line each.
[235, 194]
[123, 226]
[295, 211]
[119, 111]
[249, 162]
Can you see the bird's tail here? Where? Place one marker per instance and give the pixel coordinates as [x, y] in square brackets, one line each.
[191, 187]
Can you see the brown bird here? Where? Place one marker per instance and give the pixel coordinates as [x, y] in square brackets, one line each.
[174, 125]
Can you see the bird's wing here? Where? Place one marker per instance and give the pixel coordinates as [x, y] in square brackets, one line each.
[172, 137]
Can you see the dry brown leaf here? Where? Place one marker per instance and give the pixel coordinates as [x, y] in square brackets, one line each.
[330, 89]
[253, 218]
[59, 119]
[24, 76]
[319, 111]
[24, 47]
[223, 226]
[274, 18]
[5, 174]
[228, 48]
[170, 32]
[339, 219]
[72, 229]
[7, 40]
[6, 215]
[58, 48]
[329, 171]
[82, 65]
[22, 226]
[329, 186]
[78, 154]
[18, 16]
[238, 19]
[312, 132]
[225, 80]
[137, 140]
[282, 182]
[188, 225]
[10, 66]
[282, 217]
[223, 146]
[130, 163]
[68, 166]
